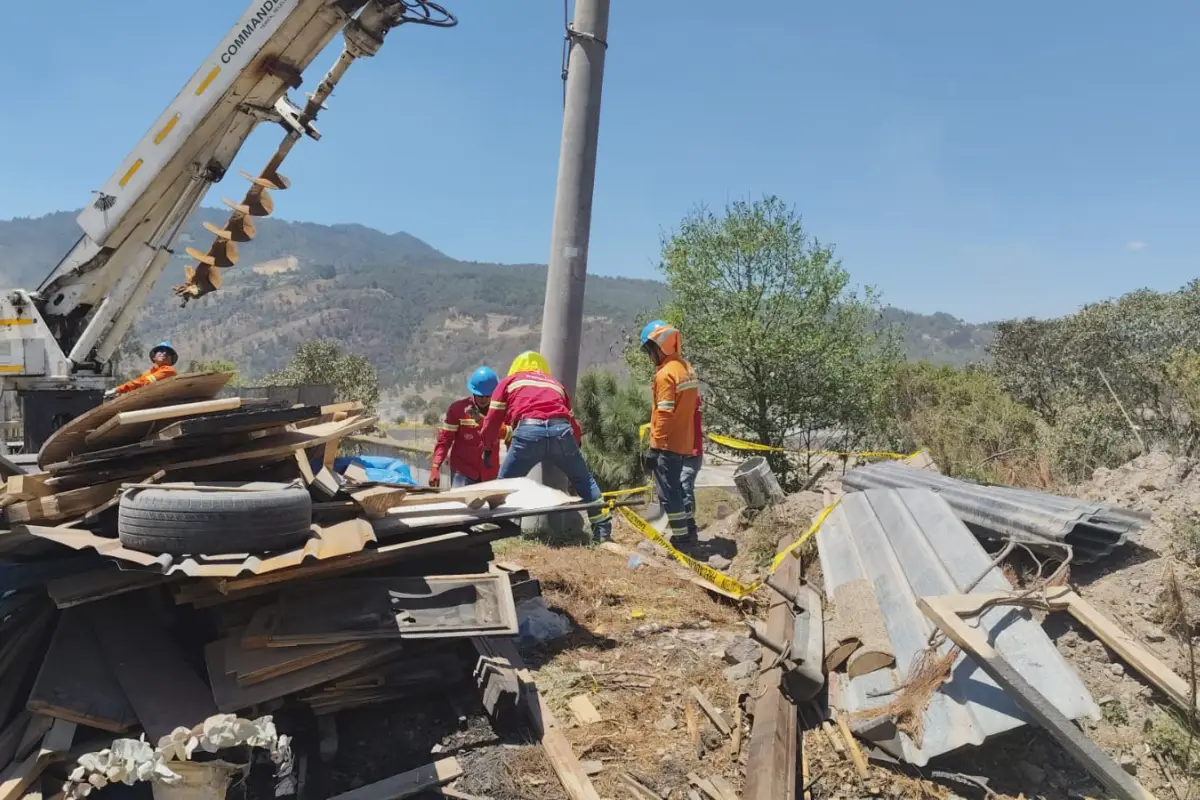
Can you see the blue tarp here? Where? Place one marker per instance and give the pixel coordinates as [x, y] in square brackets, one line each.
[378, 468]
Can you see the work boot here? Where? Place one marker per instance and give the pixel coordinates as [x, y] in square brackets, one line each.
[683, 540]
[601, 537]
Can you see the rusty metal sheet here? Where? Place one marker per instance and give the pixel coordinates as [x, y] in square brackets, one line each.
[909, 543]
[1040, 520]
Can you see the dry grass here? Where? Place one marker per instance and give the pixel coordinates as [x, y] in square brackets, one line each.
[607, 598]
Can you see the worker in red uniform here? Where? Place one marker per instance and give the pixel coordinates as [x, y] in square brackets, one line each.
[672, 424]
[162, 365]
[459, 434]
[544, 430]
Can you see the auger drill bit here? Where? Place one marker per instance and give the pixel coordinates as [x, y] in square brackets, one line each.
[363, 37]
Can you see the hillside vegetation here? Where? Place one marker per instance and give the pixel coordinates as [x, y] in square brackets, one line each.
[422, 318]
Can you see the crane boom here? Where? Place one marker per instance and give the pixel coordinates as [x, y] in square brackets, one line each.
[64, 333]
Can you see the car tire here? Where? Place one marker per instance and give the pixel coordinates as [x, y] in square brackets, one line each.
[206, 522]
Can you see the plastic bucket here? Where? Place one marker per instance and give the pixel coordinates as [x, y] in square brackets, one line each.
[208, 780]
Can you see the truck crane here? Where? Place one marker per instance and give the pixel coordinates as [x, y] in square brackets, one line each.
[57, 343]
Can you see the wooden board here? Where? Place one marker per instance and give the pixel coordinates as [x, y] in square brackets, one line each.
[1098, 763]
[406, 784]
[162, 688]
[71, 438]
[63, 505]
[76, 683]
[267, 449]
[255, 665]
[27, 487]
[566, 764]
[130, 426]
[716, 717]
[238, 421]
[21, 775]
[231, 697]
[75, 590]
[581, 706]
[771, 757]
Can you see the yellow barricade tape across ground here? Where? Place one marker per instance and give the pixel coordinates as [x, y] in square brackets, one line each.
[741, 444]
[704, 571]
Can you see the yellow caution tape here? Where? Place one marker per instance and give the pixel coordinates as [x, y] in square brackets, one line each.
[713, 576]
[741, 444]
[803, 537]
[625, 492]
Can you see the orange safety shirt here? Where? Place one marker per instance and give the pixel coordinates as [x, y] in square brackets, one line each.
[673, 415]
[155, 373]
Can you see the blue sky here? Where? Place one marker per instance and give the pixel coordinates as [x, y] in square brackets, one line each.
[984, 159]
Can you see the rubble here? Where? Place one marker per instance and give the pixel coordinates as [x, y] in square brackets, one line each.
[182, 560]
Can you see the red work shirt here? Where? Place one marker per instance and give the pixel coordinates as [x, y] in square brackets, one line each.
[526, 395]
[459, 435]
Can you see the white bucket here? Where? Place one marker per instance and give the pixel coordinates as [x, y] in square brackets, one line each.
[204, 781]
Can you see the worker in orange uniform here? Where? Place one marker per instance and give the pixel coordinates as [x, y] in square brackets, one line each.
[672, 425]
[162, 365]
[544, 430]
[459, 434]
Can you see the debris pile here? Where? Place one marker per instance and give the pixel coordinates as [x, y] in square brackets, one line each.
[183, 562]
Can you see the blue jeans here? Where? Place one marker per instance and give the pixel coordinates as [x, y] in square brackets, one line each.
[538, 442]
[691, 468]
[458, 480]
[668, 484]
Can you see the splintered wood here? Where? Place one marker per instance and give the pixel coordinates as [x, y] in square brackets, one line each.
[857, 632]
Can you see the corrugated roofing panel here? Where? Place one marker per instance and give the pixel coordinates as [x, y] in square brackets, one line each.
[1092, 529]
[909, 543]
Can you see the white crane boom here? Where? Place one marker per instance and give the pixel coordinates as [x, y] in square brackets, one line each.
[64, 334]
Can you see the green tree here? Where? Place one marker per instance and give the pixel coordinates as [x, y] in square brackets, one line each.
[414, 404]
[970, 426]
[785, 347]
[322, 362]
[431, 416]
[610, 414]
[217, 365]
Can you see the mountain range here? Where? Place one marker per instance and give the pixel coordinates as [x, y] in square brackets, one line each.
[422, 317]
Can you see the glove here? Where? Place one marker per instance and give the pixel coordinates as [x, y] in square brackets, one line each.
[435, 476]
[110, 394]
[649, 461]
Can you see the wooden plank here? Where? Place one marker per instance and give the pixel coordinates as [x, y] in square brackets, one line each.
[1129, 649]
[771, 756]
[562, 758]
[73, 684]
[129, 426]
[90, 587]
[20, 776]
[19, 654]
[711, 711]
[159, 682]
[302, 464]
[63, 505]
[239, 421]
[1098, 763]
[231, 697]
[406, 784]
[583, 710]
[376, 500]
[266, 449]
[255, 665]
[28, 487]
[71, 438]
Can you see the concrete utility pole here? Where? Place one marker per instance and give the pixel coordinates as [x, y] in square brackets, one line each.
[562, 315]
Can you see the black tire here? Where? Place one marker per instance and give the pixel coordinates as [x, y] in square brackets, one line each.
[192, 522]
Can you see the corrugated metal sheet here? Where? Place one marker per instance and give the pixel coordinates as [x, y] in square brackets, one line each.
[909, 543]
[1092, 529]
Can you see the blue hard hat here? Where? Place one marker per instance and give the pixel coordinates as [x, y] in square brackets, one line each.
[482, 382]
[167, 347]
[650, 328]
